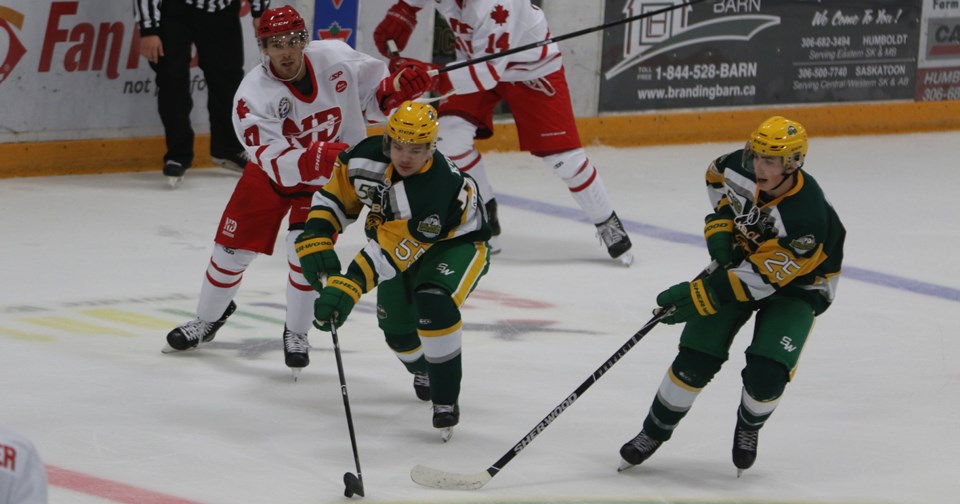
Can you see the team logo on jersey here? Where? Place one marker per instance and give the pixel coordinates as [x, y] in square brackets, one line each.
[803, 244]
[499, 15]
[229, 227]
[14, 49]
[322, 126]
[341, 86]
[283, 109]
[430, 227]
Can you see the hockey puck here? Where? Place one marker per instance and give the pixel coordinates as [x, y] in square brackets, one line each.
[352, 485]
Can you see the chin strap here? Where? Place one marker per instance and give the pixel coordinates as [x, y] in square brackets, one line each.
[787, 176]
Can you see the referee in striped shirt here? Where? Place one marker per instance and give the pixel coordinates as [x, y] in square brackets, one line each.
[167, 29]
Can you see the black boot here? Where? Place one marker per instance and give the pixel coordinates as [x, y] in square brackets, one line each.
[197, 331]
[744, 448]
[638, 449]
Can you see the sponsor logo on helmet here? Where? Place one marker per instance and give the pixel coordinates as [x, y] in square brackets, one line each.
[430, 227]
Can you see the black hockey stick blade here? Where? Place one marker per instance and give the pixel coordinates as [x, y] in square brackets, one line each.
[352, 485]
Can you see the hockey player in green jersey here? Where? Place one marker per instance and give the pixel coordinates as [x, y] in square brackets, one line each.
[426, 250]
[779, 245]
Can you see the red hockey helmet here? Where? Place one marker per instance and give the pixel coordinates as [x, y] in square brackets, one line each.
[280, 20]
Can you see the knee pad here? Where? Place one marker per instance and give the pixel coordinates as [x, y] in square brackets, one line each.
[764, 379]
[694, 368]
[436, 308]
[571, 166]
[456, 136]
[402, 342]
[439, 326]
[229, 262]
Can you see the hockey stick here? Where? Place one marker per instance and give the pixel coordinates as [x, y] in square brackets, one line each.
[353, 484]
[558, 38]
[436, 478]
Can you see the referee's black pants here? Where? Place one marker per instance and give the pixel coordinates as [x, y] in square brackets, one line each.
[218, 37]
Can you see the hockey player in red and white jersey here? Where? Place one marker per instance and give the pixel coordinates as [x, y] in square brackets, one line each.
[532, 83]
[294, 114]
[23, 477]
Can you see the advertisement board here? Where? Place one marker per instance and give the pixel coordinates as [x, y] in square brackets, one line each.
[72, 69]
[336, 19]
[730, 53]
[938, 75]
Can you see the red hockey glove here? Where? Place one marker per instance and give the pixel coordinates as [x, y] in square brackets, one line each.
[441, 82]
[397, 25]
[318, 160]
[407, 83]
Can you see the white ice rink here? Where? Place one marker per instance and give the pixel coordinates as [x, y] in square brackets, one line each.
[97, 269]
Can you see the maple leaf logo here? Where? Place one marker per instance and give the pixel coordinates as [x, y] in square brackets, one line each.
[242, 109]
[499, 14]
[334, 31]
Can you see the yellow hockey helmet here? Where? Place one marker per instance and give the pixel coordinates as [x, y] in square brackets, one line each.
[414, 123]
[780, 137]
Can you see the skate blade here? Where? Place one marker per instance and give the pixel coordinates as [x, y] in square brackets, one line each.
[167, 349]
[174, 182]
[624, 465]
[296, 373]
[739, 472]
[446, 433]
[626, 259]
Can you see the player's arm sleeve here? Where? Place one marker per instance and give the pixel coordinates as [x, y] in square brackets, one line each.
[147, 15]
[334, 206]
[392, 252]
[776, 263]
[715, 187]
[261, 134]
[370, 72]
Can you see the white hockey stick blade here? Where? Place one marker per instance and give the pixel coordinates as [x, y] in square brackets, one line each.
[435, 478]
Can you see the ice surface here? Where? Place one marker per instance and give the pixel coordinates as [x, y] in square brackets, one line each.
[96, 270]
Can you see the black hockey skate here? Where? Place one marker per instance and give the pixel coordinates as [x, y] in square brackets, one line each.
[421, 385]
[234, 162]
[615, 238]
[637, 450]
[744, 448]
[296, 351]
[445, 417]
[196, 331]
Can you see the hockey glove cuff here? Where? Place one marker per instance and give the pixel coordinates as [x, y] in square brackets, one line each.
[689, 300]
[317, 258]
[718, 232]
[318, 160]
[336, 301]
[407, 83]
